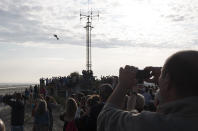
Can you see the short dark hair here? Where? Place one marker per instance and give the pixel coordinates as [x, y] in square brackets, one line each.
[105, 91]
[182, 68]
[19, 96]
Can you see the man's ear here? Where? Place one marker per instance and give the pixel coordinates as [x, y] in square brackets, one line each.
[167, 81]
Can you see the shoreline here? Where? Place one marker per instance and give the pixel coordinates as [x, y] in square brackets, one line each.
[10, 89]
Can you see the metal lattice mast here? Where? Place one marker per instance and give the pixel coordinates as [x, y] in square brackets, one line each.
[88, 28]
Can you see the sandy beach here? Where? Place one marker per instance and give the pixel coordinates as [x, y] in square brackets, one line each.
[5, 110]
[5, 114]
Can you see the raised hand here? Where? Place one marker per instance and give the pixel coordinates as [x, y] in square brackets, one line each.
[127, 77]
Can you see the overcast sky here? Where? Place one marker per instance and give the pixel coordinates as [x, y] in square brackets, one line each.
[135, 32]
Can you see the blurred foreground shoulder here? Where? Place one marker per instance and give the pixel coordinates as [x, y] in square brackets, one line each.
[112, 118]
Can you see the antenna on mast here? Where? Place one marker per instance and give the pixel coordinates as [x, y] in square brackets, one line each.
[88, 5]
[89, 16]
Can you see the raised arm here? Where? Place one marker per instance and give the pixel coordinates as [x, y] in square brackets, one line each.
[127, 80]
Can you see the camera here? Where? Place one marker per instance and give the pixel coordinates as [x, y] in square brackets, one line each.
[141, 75]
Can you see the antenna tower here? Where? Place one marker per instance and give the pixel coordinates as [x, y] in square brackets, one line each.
[89, 16]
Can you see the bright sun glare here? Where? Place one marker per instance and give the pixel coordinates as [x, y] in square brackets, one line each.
[143, 21]
[142, 16]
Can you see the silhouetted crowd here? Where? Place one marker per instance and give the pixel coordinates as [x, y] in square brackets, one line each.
[170, 105]
[81, 110]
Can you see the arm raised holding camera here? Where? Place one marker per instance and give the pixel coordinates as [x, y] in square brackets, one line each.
[112, 117]
[127, 80]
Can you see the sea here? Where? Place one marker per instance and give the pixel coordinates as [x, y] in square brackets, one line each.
[10, 88]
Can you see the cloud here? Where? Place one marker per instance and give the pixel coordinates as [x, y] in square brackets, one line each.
[176, 17]
[161, 24]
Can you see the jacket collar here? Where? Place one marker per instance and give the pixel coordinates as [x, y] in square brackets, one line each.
[186, 107]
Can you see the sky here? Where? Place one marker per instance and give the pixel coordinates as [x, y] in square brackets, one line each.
[128, 32]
